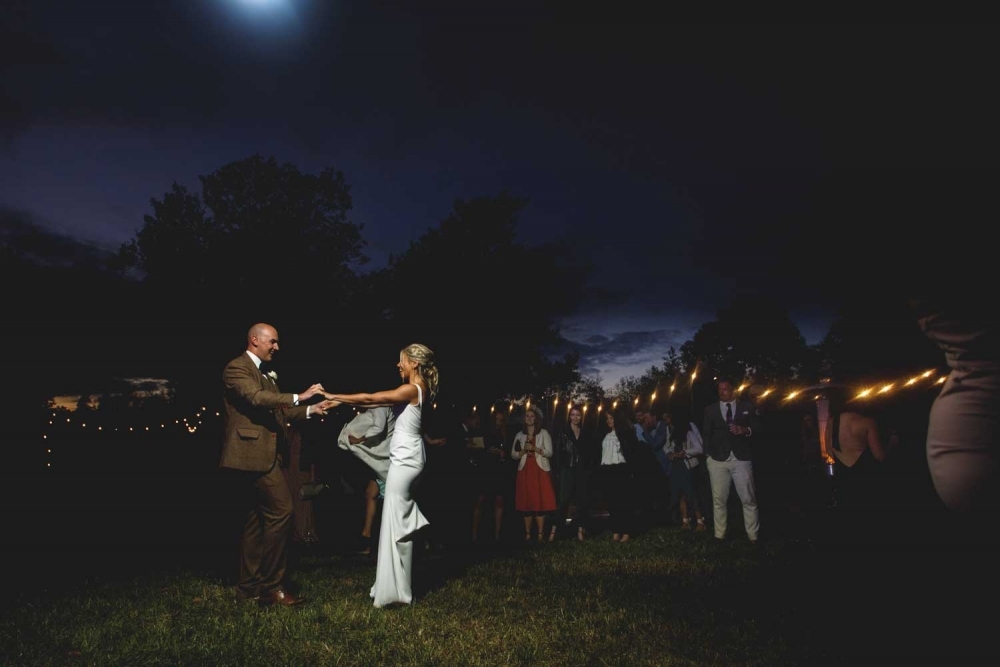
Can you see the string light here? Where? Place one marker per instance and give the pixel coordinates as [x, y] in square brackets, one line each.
[880, 389]
[877, 389]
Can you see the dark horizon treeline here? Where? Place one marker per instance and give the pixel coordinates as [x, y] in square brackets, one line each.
[265, 242]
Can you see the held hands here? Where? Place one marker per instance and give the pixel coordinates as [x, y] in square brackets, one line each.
[329, 399]
[738, 430]
[311, 391]
[321, 407]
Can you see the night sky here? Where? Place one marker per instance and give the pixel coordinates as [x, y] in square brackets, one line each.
[694, 156]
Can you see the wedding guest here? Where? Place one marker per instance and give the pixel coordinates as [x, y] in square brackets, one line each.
[617, 449]
[728, 437]
[495, 477]
[374, 492]
[963, 434]
[367, 436]
[534, 495]
[575, 453]
[858, 474]
[686, 448]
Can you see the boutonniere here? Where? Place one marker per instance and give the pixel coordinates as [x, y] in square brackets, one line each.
[273, 375]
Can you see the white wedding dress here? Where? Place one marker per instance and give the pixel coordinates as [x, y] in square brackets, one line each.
[401, 517]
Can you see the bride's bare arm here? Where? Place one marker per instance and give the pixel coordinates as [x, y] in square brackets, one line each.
[402, 394]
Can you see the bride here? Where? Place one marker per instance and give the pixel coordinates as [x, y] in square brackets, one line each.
[401, 517]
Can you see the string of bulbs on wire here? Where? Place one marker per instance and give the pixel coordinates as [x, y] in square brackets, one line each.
[927, 379]
[930, 378]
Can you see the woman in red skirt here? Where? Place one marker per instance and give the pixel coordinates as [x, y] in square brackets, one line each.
[534, 495]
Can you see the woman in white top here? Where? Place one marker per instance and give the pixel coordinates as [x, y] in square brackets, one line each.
[616, 472]
[401, 518]
[685, 446]
[534, 495]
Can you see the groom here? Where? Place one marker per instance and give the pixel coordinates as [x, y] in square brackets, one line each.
[256, 415]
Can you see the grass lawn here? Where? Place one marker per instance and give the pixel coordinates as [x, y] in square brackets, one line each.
[666, 598]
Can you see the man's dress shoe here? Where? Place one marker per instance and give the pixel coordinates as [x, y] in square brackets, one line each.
[282, 598]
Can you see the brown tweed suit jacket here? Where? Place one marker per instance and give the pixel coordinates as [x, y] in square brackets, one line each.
[256, 412]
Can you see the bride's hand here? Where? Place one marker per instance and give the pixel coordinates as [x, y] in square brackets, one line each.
[323, 406]
[327, 395]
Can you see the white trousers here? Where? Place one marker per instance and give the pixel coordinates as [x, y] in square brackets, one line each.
[740, 473]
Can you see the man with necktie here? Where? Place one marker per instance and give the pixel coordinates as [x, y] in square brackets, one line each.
[256, 418]
[728, 431]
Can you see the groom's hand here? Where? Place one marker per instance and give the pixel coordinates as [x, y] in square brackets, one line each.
[321, 407]
[310, 392]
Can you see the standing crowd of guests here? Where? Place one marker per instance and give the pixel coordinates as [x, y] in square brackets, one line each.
[521, 478]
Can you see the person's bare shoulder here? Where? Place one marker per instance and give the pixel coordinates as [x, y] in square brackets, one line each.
[860, 425]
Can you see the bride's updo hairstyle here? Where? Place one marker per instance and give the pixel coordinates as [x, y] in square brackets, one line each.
[423, 357]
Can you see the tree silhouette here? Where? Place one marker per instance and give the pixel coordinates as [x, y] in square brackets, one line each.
[256, 242]
[484, 301]
[253, 220]
[751, 339]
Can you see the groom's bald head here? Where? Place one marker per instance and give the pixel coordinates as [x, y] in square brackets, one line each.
[262, 340]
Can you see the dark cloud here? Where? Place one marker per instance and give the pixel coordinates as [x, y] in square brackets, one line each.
[627, 353]
[24, 238]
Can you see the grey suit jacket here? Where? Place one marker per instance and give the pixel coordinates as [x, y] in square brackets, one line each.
[719, 442]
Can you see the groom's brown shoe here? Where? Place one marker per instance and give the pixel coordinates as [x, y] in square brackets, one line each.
[282, 598]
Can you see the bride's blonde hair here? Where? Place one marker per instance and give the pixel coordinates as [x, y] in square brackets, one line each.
[423, 357]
